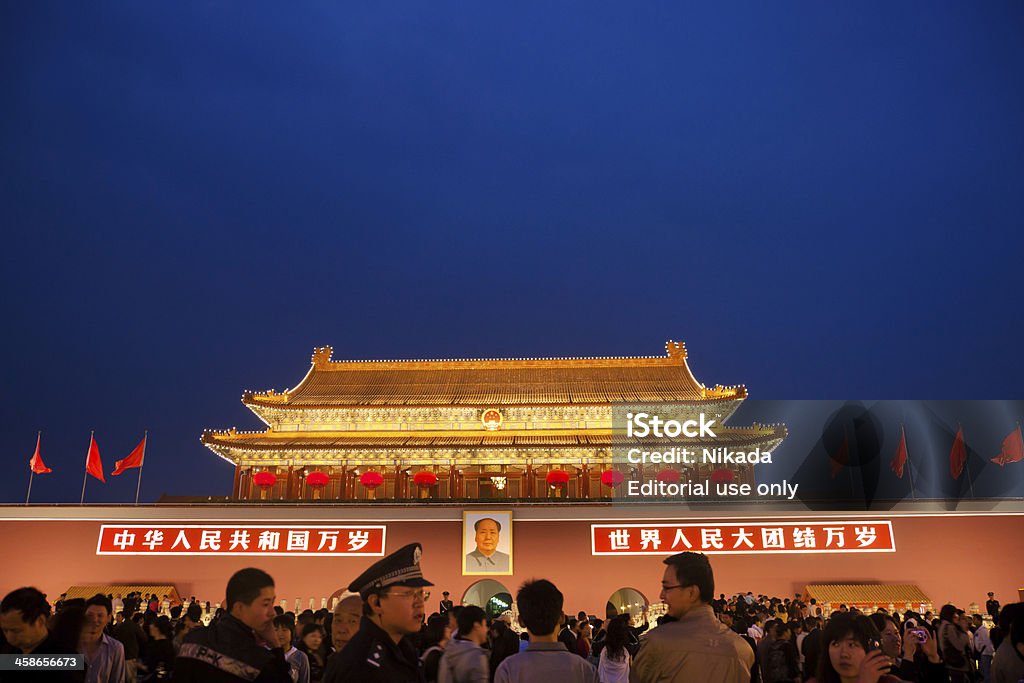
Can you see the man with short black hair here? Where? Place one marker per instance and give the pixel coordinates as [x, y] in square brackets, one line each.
[104, 656]
[241, 645]
[23, 616]
[695, 647]
[545, 658]
[464, 660]
[130, 635]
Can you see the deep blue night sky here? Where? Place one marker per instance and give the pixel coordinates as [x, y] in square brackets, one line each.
[822, 200]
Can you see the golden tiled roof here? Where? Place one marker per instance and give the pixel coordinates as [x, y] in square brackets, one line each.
[285, 441]
[870, 593]
[497, 382]
[87, 592]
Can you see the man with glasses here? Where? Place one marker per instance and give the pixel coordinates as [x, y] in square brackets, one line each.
[393, 600]
[697, 646]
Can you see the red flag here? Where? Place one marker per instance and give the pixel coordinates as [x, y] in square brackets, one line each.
[93, 464]
[1013, 448]
[900, 459]
[958, 456]
[36, 463]
[841, 457]
[134, 459]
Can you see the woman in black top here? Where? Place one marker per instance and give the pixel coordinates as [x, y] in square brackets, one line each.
[159, 658]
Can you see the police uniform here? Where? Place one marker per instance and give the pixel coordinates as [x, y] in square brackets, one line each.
[372, 655]
[227, 652]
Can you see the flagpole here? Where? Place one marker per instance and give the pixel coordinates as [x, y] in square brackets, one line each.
[86, 477]
[853, 493]
[910, 465]
[967, 462]
[31, 471]
[145, 442]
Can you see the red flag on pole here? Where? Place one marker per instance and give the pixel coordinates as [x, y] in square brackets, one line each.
[841, 457]
[1013, 448]
[900, 459]
[134, 459]
[93, 464]
[36, 463]
[958, 456]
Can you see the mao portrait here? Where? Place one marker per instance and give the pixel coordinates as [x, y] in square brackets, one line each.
[487, 543]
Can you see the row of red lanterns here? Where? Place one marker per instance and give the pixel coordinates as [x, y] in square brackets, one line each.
[426, 479]
[370, 480]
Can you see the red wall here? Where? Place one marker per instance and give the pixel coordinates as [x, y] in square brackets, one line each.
[952, 558]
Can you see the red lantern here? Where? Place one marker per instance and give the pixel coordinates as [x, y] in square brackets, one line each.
[722, 476]
[371, 480]
[264, 479]
[424, 479]
[557, 478]
[668, 476]
[612, 478]
[317, 479]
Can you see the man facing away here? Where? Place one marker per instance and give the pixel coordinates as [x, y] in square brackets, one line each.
[23, 617]
[464, 660]
[697, 646]
[104, 656]
[545, 658]
[242, 645]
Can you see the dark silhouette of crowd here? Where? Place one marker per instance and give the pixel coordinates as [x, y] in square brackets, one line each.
[381, 632]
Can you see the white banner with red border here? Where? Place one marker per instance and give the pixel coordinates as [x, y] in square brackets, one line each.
[220, 539]
[748, 538]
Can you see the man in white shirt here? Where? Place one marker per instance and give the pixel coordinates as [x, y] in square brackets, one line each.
[983, 646]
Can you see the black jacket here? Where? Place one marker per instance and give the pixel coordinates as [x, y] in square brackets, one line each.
[227, 652]
[371, 657]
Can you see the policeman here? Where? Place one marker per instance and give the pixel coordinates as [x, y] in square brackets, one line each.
[382, 650]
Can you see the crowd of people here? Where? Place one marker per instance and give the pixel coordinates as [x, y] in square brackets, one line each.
[381, 632]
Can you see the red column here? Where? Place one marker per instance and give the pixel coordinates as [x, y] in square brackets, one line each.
[235, 490]
[289, 483]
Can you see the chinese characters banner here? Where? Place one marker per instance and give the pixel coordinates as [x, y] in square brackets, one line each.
[300, 541]
[738, 539]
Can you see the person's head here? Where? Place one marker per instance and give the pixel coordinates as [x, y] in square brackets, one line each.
[23, 615]
[948, 613]
[437, 631]
[688, 582]
[119, 616]
[991, 595]
[487, 533]
[97, 615]
[345, 624]
[889, 632]
[160, 629]
[312, 636]
[849, 638]
[1017, 635]
[616, 638]
[780, 631]
[398, 609]
[473, 624]
[445, 595]
[392, 591]
[193, 616]
[540, 607]
[284, 627]
[250, 598]
[978, 620]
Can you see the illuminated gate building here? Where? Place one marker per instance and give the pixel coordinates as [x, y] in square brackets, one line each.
[458, 430]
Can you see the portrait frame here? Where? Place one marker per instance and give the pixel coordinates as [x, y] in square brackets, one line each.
[472, 561]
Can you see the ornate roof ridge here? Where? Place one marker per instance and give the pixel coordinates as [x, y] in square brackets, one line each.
[322, 358]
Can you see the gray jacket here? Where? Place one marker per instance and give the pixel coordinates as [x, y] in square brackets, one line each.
[463, 661]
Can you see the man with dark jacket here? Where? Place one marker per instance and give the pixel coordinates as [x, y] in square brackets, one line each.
[242, 645]
[132, 638]
[393, 604]
[23, 618]
[811, 647]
